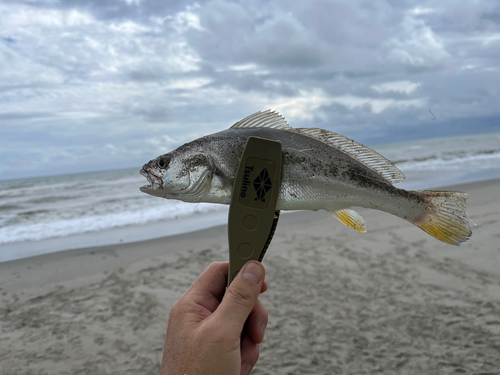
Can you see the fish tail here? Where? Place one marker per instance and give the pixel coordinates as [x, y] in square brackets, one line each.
[444, 216]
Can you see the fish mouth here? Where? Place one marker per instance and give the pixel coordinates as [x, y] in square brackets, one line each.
[155, 182]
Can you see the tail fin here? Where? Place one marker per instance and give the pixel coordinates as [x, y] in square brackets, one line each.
[444, 217]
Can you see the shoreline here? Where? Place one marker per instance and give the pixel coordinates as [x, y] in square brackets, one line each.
[143, 232]
[339, 301]
[113, 236]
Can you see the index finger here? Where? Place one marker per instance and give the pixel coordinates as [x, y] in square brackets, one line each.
[208, 289]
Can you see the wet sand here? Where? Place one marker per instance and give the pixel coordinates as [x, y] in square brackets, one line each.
[390, 301]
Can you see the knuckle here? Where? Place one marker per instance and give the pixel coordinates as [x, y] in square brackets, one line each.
[176, 309]
[215, 265]
[254, 354]
[241, 296]
[262, 311]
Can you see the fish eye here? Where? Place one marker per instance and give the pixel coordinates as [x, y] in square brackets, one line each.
[161, 163]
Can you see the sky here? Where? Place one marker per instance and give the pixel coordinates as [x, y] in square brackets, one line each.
[107, 84]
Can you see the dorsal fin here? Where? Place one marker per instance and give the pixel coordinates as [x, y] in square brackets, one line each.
[357, 151]
[263, 119]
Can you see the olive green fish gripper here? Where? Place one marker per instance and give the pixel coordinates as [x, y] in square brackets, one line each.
[252, 213]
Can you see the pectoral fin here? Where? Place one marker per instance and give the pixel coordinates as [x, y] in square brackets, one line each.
[350, 218]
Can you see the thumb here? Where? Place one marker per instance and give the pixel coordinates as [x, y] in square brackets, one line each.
[241, 296]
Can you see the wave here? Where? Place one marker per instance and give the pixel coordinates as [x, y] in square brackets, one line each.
[10, 207]
[36, 231]
[51, 199]
[448, 158]
[452, 155]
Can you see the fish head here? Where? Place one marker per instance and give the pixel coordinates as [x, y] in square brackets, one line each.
[178, 175]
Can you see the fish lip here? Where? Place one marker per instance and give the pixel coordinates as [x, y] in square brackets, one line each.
[156, 183]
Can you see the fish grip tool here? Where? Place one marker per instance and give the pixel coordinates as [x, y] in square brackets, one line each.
[252, 212]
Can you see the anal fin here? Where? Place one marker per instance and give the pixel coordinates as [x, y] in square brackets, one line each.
[350, 218]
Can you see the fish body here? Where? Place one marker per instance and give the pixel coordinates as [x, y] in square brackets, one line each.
[320, 170]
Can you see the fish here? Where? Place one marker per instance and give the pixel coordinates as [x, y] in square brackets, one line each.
[321, 170]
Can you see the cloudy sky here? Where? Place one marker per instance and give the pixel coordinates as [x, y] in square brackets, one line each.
[104, 84]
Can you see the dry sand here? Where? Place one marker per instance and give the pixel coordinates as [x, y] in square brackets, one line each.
[391, 301]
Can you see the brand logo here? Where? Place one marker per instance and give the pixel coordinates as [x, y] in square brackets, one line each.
[246, 181]
[262, 185]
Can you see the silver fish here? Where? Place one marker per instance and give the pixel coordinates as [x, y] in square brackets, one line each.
[320, 170]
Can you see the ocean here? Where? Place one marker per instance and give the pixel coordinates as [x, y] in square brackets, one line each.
[54, 213]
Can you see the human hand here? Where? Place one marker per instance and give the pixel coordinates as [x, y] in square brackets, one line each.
[205, 324]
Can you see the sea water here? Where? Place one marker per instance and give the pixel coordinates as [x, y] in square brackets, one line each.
[54, 213]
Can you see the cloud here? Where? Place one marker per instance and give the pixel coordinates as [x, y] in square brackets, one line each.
[90, 84]
[406, 87]
[271, 40]
[110, 10]
[417, 46]
[154, 114]
[22, 115]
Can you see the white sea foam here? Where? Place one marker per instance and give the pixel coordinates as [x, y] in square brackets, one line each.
[64, 224]
[439, 162]
[47, 207]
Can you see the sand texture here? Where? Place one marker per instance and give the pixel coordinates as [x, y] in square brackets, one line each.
[391, 301]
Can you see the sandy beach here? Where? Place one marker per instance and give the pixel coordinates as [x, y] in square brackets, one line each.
[390, 301]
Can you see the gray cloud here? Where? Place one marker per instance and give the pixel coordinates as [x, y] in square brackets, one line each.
[147, 75]
[88, 81]
[6, 116]
[154, 114]
[111, 9]
[233, 34]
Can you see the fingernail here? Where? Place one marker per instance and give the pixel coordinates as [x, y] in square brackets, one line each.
[248, 369]
[253, 272]
[263, 329]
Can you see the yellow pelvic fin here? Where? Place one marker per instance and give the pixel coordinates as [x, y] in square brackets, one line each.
[350, 218]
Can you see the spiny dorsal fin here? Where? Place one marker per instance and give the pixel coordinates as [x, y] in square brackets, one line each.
[350, 218]
[357, 151]
[263, 119]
